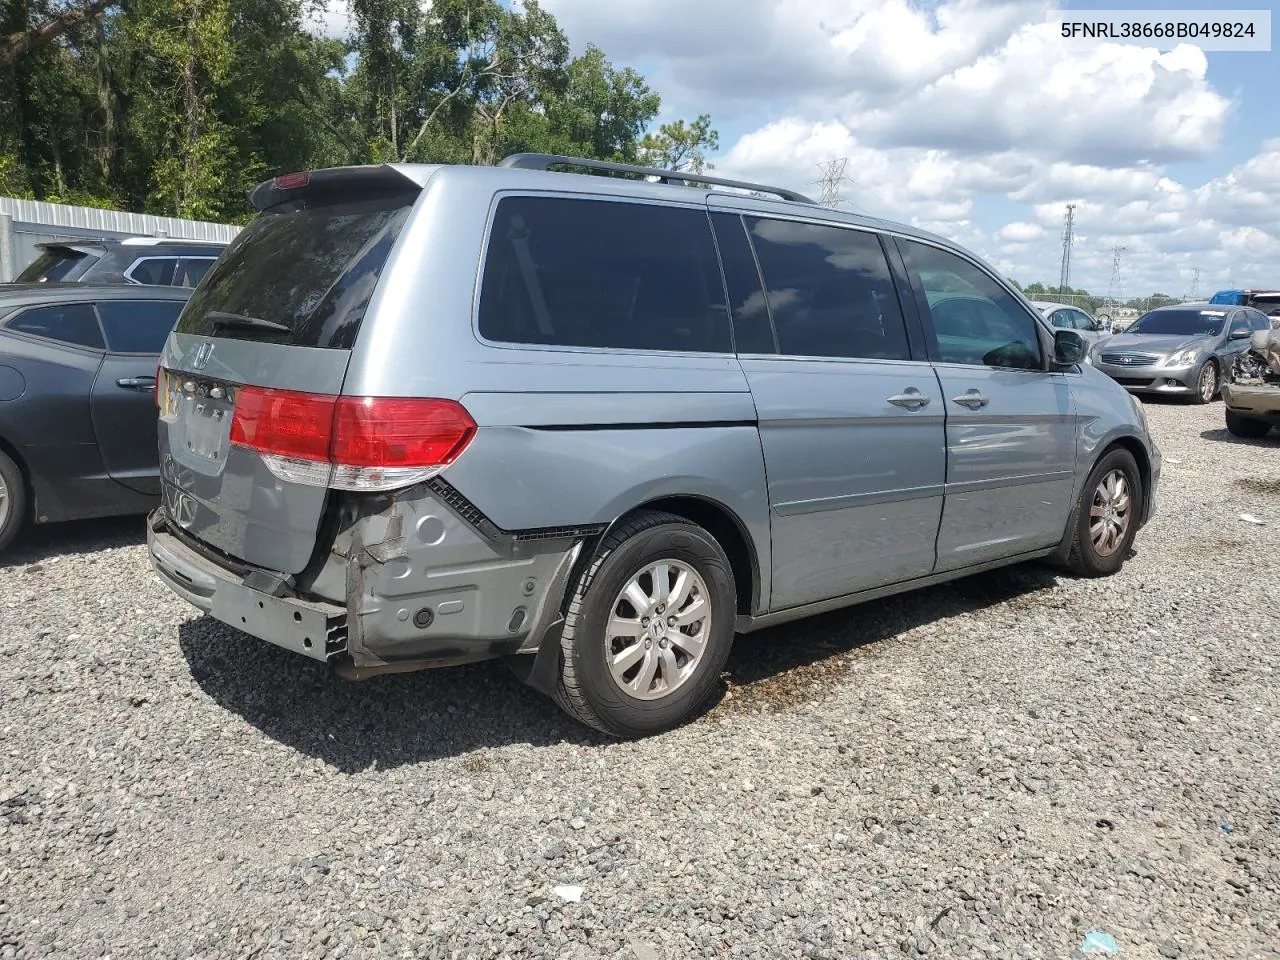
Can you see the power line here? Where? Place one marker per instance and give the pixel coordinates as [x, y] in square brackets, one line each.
[833, 177]
[1114, 292]
[1068, 238]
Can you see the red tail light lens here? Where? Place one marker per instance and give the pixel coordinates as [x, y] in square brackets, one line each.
[290, 181]
[393, 432]
[284, 423]
[358, 443]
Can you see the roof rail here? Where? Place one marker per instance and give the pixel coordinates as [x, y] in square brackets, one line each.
[545, 161]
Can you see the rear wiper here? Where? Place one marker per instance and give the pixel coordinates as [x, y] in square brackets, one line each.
[244, 321]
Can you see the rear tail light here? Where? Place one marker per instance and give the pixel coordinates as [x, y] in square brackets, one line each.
[350, 443]
[291, 181]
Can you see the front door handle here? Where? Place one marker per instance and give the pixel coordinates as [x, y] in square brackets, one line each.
[136, 383]
[911, 398]
[973, 399]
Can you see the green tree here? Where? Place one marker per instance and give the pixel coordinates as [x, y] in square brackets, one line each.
[681, 146]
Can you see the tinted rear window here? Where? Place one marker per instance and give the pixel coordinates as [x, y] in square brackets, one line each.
[310, 267]
[154, 271]
[54, 265]
[138, 326]
[829, 291]
[73, 323]
[596, 273]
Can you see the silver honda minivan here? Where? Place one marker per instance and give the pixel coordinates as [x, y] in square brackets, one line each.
[598, 425]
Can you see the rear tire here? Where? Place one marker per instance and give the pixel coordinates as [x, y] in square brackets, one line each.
[13, 501]
[1107, 516]
[624, 674]
[1248, 427]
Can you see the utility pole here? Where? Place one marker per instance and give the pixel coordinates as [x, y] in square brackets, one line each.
[1114, 292]
[832, 177]
[1068, 238]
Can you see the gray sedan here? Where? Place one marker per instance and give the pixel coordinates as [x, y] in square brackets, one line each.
[1180, 350]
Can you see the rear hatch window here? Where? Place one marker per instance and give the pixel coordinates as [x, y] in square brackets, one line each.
[301, 274]
[56, 263]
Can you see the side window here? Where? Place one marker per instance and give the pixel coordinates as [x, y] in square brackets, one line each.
[1258, 321]
[1238, 324]
[752, 329]
[138, 326]
[829, 290]
[73, 323]
[974, 319]
[191, 271]
[152, 271]
[1084, 321]
[596, 273]
[1061, 318]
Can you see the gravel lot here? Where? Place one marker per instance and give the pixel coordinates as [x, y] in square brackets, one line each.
[993, 768]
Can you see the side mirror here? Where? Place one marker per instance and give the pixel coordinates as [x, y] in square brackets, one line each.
[1069, 348]
[1241, 334]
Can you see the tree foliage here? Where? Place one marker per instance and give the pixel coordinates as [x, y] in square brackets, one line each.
[178, 107]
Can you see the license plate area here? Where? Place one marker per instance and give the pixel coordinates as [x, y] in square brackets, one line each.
[202, 411]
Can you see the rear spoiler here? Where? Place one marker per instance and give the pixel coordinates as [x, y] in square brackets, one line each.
[71, 244]
[339, 181]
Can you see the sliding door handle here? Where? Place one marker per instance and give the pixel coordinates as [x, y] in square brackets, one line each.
[136, 383]
[911, 398]
[973, 399]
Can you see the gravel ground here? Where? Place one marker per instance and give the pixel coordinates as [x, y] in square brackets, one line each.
[993, 768]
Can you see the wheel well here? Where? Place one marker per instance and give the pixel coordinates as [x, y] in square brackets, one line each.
[729, 533]
[1135, 447]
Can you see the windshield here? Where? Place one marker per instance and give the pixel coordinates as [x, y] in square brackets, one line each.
[1180, 323]
[303, 276]
[52, 265]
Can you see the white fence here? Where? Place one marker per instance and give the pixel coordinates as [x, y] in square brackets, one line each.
[26, 223]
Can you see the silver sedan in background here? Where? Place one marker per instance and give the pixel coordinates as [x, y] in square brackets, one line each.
[1179, 350]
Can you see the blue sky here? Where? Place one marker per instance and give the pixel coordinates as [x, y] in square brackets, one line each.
[975, 119]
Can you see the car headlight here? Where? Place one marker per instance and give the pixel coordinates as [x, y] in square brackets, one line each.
[1183, 358]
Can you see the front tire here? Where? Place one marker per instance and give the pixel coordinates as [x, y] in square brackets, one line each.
[1107, 516]
[649, 626]
[1249, 428]
[1207, 384]
[13, 501]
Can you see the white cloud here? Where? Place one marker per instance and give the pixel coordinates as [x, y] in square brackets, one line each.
[972, 76]
[1021, 232]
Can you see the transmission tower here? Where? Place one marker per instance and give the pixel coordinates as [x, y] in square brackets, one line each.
[1068, 238]
[1114, 292]
[1194, 292]
[833, 177]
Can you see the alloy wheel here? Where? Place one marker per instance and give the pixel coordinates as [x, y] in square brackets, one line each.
[5, 502]
[1110, 513]
[658, 628]
[1208, 382]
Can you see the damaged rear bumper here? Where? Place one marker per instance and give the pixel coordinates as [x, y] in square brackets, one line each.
[312, 628]
[409, 584]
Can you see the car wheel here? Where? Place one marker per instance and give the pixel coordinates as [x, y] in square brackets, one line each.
[1247, 427]
[648, 628]
[1107, 516]
[13, 500]
[1206, 383]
